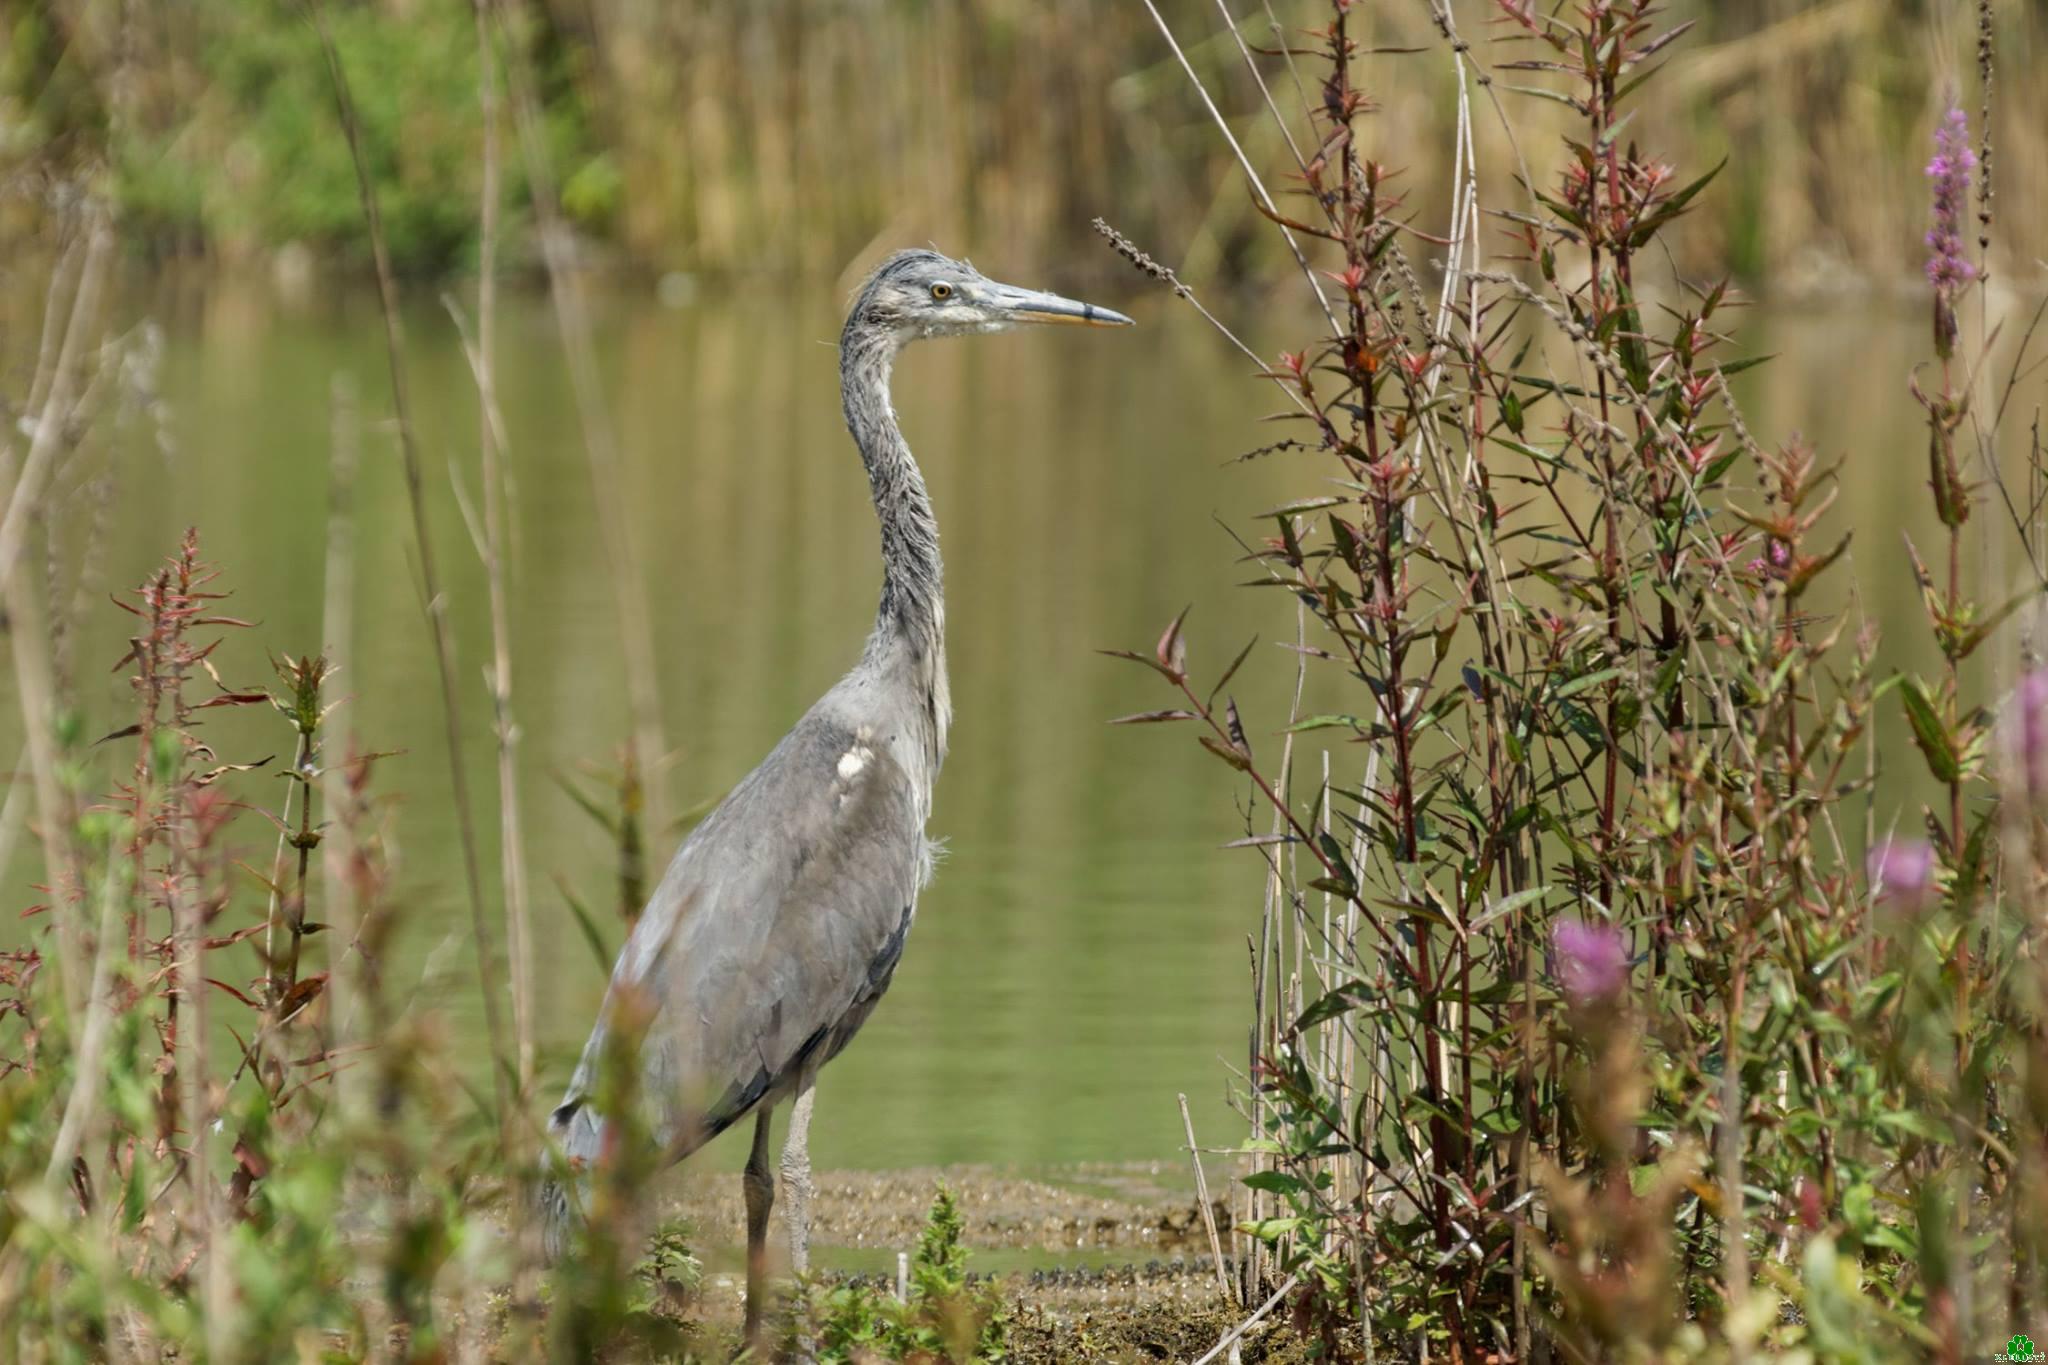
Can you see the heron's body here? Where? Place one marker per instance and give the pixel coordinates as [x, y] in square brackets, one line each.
[781, 920]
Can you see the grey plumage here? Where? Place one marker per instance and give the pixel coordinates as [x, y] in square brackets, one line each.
[780, 922]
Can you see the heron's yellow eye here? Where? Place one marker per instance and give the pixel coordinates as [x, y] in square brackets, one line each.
[942, 291]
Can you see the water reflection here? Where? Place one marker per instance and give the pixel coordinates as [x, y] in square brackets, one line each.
[1082, 955]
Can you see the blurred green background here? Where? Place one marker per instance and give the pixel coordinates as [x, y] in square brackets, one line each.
[788, 136]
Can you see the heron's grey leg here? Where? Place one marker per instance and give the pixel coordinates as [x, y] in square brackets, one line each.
[759, 1182]
[796, 1176]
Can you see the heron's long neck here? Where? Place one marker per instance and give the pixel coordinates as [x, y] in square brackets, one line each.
[912, 617]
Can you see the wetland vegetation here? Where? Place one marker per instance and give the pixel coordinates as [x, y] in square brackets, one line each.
[1609, 432]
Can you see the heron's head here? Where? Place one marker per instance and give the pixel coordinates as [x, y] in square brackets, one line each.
[917, 294]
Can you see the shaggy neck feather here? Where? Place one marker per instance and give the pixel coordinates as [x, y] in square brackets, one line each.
[910, 622]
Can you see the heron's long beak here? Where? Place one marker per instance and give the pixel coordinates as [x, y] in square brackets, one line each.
[1032, 305]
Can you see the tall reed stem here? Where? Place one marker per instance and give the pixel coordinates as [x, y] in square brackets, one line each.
[436, 599]
[337, 633]
[56, 383]
[511, 839]
[600, 445]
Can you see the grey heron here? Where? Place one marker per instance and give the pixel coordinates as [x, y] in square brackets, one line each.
[780, 921]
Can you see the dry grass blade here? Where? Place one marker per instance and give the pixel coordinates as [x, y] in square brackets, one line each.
[1187, 1124]
[1244, 163]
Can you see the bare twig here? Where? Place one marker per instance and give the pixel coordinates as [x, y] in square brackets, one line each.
[1230, 1337]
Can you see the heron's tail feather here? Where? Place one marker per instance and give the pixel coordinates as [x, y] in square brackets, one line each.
[578, 1136]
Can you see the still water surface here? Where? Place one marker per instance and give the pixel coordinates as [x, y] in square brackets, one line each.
[1081, 956]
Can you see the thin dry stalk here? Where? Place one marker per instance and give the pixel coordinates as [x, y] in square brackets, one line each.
[1230, 1338]
[63, 284]
[1126, 248]
[1278, 884]
[80, 1105]
[34, 672]
[436, 600]
[196, 1083]
[337, 629]
[1734, 1233]
[511, 840]
[1187, 1124]
[600, 445]
[12, 812]
[29, 637]
[274, 983]
[53, 418]
[1244, 163]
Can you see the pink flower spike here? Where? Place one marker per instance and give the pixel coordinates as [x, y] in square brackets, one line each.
[1948, 270]
[1592, 961]
[2027, 731]
[1901, 871]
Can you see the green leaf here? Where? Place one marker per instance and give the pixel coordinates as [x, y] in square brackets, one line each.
[1970, 870]
[1567, 101]
[1274, 1182]
[1341, 1000]
[598, 949]
[1270, 1230]
[1672, 207]
[1913, 1122]
[1628, 711]
[1325, 723]
[586, 803]
[1746, 363]
[1502, 1122]
[1235, 664]
[1929, 731]
[1976, 635]
[1314, 504]
[1505, 905]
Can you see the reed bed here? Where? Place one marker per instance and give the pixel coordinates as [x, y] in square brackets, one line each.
[782, 137]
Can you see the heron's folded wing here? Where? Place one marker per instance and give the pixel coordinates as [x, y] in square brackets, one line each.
[774, 932]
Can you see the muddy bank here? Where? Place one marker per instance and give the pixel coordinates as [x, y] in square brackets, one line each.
[1074, 1216]
[1105, 1264]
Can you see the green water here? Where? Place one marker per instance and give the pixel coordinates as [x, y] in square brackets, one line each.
[1081, 957]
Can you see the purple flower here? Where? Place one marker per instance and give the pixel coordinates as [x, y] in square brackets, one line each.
[1902, 871]
[2027, 731]
[1947, 269]
[1592, 960]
